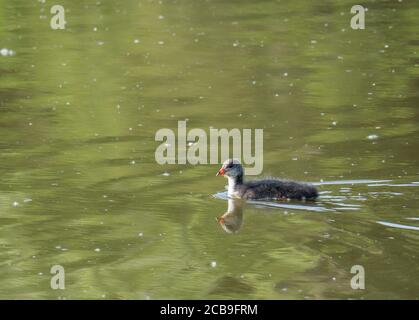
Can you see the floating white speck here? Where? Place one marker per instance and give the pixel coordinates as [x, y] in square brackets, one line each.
[133, 162]
[97, 249]
[136, 41]
[161, 17]
[161, 43]
[166, 174]
[141, 234]
[213, 264]
[6, 52]
[334, 123]
[372, 137]
[285, 74]
[15, 204]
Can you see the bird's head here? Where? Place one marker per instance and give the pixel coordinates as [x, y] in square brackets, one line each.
[231, 168]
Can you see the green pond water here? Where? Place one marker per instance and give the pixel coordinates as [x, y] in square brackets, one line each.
[80, 187]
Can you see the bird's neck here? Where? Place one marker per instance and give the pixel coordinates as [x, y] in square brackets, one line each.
[233, 182]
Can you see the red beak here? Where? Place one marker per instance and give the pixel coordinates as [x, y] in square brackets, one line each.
[220, 172]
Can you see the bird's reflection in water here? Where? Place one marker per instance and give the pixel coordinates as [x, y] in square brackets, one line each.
[232, 220]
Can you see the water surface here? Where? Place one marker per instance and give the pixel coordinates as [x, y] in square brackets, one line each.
[80, 187]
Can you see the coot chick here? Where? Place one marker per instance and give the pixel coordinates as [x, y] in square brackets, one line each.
[273, 189]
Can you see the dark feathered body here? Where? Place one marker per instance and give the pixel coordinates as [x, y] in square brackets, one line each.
[263, 189]
[275, 189]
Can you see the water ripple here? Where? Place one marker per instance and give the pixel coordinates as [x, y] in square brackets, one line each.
[398, 226]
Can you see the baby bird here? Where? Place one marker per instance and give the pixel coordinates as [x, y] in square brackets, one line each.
[274, 189]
